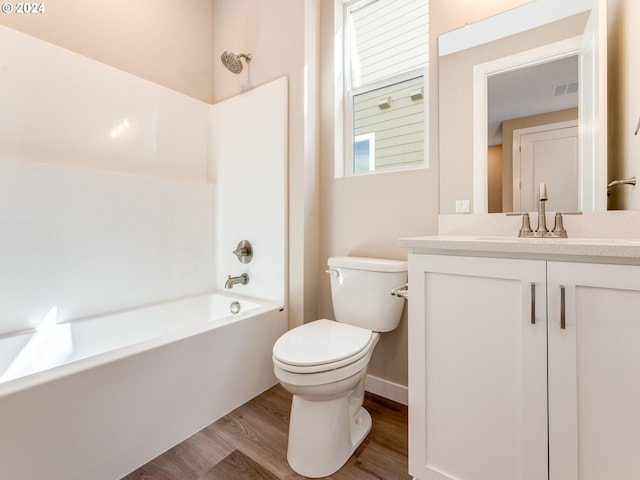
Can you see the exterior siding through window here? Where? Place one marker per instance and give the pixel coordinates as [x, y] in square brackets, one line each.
[398, 128]
[387, 56]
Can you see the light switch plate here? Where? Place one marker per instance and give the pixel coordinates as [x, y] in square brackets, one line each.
[462, 206]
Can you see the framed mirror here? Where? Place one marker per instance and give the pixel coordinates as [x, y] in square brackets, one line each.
[523, 101]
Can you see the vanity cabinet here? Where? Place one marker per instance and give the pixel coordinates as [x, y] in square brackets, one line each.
[523, 369]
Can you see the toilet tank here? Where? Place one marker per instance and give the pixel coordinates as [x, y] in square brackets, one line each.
[361, 291]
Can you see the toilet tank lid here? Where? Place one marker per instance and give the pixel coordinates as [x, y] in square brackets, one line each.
[368, 263]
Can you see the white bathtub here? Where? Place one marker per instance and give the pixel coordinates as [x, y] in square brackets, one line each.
[110, 393]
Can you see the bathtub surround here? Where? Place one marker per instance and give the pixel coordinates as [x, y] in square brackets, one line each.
[112, 197]
[105, 202]
[248, 152]
[112, 190]
[89, 242]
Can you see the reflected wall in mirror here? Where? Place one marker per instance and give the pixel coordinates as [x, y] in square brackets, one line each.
[491, 114]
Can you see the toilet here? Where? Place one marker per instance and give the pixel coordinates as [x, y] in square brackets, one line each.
[324, 363]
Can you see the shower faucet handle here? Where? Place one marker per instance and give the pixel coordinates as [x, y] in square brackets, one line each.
[244, 251]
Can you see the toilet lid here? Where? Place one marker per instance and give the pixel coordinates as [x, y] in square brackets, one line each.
[321, 342]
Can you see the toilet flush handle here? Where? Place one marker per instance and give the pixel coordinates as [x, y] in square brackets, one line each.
[333, 272]
[402, 291]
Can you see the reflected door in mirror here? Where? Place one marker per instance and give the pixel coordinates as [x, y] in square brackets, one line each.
[546, 154]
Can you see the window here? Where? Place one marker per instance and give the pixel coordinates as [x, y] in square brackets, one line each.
[364, 152]
[386, 54]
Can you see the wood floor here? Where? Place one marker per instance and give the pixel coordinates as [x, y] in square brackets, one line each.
[251, 443]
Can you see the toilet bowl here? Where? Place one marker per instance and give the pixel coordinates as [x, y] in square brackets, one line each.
[327, 419]
[324, 364]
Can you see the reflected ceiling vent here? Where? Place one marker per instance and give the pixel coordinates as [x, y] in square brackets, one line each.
[565, 89]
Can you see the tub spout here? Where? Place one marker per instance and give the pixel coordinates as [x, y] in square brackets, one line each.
[241, 279]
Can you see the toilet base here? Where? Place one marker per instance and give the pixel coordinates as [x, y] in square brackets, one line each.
[323, 435]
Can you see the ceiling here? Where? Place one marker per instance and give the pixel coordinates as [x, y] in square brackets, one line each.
[542, 88]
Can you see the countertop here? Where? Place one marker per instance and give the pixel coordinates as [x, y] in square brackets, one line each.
[610, 250]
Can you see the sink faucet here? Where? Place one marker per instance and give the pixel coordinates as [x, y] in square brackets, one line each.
[241, 279]
[542, 229]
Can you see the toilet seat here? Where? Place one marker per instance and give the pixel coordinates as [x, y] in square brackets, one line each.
[321, 346]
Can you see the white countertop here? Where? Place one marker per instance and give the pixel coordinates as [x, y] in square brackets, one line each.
[596, 237]
[615, 250]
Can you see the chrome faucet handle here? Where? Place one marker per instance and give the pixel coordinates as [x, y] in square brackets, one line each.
[525, 229]
[558, 226]
[571, 212]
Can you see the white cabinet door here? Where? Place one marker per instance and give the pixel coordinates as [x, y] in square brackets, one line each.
[594, 372]
[477, 369]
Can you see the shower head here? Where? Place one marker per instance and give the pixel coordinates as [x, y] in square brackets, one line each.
[232, 61]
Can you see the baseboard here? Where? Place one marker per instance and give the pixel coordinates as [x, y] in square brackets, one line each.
[385, 388]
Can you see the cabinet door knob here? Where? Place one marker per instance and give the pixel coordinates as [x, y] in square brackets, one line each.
[563, 324]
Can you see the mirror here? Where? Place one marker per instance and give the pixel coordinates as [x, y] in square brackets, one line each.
[499, 136]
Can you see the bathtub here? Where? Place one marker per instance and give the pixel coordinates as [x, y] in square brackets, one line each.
[98, 397]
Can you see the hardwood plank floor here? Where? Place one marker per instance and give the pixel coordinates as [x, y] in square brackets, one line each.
[251, 443]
